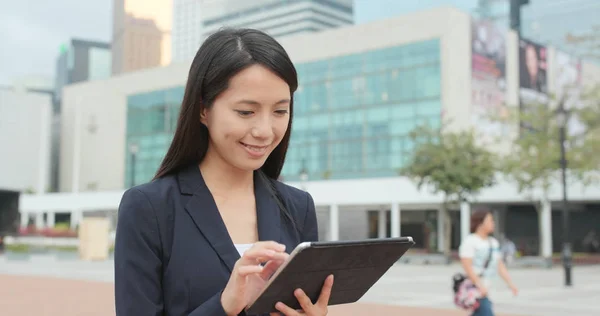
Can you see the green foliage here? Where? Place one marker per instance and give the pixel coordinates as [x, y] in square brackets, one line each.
[534, 159]
[20, 248]
[449, 162]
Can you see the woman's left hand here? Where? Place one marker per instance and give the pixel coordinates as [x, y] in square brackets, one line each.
[308, 308]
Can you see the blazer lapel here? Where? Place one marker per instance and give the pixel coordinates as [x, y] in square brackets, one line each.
[267, 211]
[205, 214]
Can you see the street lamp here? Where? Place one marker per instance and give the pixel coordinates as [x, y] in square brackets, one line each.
[562, 117]
[133, 150]
[303, 174]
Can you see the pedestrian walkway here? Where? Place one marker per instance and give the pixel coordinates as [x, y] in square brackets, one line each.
[71, 287]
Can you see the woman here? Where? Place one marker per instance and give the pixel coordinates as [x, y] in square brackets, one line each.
[482, 260]
[204, 236]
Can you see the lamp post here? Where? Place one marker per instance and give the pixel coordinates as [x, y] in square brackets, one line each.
[303, 174]
[562, 119]
[133, 150]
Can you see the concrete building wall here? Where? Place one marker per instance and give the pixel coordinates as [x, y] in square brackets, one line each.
[100, 133]
[25, 122]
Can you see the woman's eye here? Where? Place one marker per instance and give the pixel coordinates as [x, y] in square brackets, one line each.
[244, 113]
[281, 112]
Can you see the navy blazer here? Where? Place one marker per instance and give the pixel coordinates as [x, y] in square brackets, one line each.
[179, 210]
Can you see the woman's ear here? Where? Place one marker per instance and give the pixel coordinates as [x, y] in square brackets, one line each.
[203, 113]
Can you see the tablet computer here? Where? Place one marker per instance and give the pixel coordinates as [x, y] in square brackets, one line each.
[355, 265]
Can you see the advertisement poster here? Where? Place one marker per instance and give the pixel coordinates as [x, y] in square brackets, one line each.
[533, 78]
[488, 95]
[533, 72]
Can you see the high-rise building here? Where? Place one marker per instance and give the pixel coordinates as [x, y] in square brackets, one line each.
[80, 60]
[187, 28]
[547, 22]
[194, 20]
[141, 34]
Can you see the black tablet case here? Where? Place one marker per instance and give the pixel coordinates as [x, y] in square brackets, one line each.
[356, 266]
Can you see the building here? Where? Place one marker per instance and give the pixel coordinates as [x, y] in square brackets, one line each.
[141, 36]
[553, 23]
[194, 20]
[78, 61]
[187, 29]
[356, 102]
[25, 127]
[81, 60]
[25, 123]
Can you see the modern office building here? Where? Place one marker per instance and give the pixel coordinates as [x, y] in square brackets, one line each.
[141, 35]
[361, 91]
[81, 60]
[555, 23]
[78, 61]
[187, 28]
[194, 20]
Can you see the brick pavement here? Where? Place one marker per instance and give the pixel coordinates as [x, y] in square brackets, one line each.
[49, 296]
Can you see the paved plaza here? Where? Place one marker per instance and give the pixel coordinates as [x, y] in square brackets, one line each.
[45, 285]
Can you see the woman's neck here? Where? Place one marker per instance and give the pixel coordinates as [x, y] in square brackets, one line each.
[482, 235]
[222, 178]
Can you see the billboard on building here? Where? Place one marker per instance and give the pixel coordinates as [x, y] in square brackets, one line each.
[533, 71]
[488, 83]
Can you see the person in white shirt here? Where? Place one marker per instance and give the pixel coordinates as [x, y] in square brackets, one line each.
[474, 252]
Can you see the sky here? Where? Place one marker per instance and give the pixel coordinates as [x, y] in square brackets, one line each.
[32, 31]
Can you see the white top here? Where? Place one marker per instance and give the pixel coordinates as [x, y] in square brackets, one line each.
[241, 248]
[478, 249]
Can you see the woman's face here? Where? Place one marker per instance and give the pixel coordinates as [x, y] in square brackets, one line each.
[488, 224]
[249, 119]
[531, 60]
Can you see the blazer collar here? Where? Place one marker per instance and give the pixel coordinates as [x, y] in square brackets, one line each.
[204, 212]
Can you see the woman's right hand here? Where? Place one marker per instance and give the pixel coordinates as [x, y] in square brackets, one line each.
[249, 276]
[482, 290]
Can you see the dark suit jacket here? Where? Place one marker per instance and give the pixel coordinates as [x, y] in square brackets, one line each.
[190, 280]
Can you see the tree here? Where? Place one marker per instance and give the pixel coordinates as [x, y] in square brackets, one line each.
[533, 162]
[450, 163]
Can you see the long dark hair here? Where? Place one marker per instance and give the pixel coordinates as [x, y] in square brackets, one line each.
[223, 55]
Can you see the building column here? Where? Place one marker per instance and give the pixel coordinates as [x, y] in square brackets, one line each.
[50, 219]
[465, 220]
[75, 218]
[24, 219]
[546, 228]
[39, 220]
[334, 222]
[395, 219]
[382, 224]
[440, 230]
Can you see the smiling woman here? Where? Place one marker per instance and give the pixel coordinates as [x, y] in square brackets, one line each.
[205, 235]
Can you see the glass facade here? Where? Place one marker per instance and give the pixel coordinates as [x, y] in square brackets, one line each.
[151, 122]
[99, 63]
[352, 114]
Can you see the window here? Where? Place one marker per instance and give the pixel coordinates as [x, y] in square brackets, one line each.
[353, 113]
